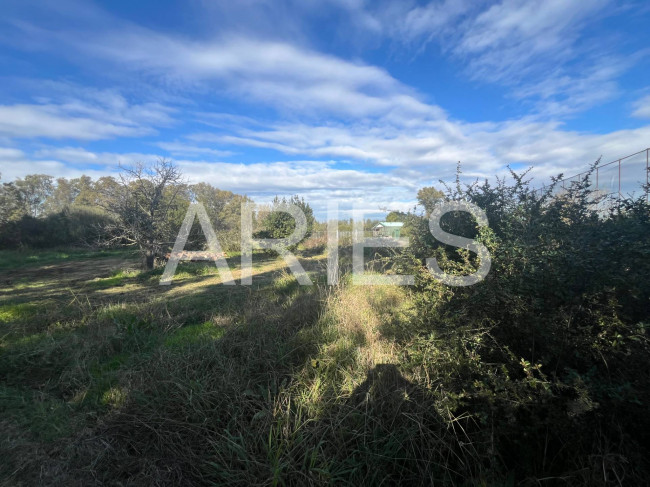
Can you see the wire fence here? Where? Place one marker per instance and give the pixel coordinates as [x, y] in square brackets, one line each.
[625, 176]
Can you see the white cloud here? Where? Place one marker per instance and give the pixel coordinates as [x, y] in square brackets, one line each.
[334, 108]
[642, 108]
[560, 93]
[73, 155]
[58, 122]
[317, 181]
[87, 115]
[530, 47]
[431, 152]
[287, 177]
[181, 149]
[288, 77]
[68, 162]
[18, 168]
[406, 161]
[8, 153]
[510, 38]
[537, 49]
[423, 23]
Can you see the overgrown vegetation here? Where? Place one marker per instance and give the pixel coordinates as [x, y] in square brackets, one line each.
[535, 376]
[550, 348]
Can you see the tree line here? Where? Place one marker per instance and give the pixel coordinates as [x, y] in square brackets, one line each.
[143, 207]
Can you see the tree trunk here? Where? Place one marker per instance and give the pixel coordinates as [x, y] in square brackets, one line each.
[149, 260]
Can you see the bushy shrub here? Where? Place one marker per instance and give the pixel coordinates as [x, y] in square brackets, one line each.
[549, 353]
[72, 226]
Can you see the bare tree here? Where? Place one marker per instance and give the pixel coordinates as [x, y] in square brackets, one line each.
[145, 201]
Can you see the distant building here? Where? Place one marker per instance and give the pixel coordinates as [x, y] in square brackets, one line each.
[387, 229]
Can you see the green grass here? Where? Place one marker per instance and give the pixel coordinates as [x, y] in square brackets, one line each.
[233, 385]
[191, 334]
[16, 312]
[117, 278]
[46, 418]
[113, 379]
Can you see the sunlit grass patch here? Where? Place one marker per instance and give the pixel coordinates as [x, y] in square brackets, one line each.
[116, 279]
[125, 314]
[10, 313]
[114, 397]
[194, 333]
[285, 283]
[193, 269]
[127, 288]
[103, 378]
[372, 314]
[27, 284]
[353, 340]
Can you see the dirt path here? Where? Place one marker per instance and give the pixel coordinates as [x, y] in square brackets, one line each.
[70, 271]
[62, 280]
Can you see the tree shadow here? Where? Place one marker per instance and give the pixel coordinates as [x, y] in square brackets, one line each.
[386, 388]
[395, 433]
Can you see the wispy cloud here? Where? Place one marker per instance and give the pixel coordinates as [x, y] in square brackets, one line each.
[11, 154]
[74, 155]
[69, 111]
[642, 108]
[514, 37]
[59, 122]
[182, 149]
[425, 155]
[288, 77]
[536, 49]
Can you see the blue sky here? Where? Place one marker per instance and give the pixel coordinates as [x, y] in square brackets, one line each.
[362, 101]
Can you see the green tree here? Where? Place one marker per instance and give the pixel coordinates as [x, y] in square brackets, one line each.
[12, 205]
[35, 190]
[396, 216]
[279, 224]
[86, 191]
[230, 216]
[214, 200]
[428, 197]
[224, 210]
[63, 196]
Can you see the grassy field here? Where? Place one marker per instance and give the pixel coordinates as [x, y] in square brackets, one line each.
[107, 377]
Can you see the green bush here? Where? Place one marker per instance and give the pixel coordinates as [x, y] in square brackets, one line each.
[549, 352]
[72, 226]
